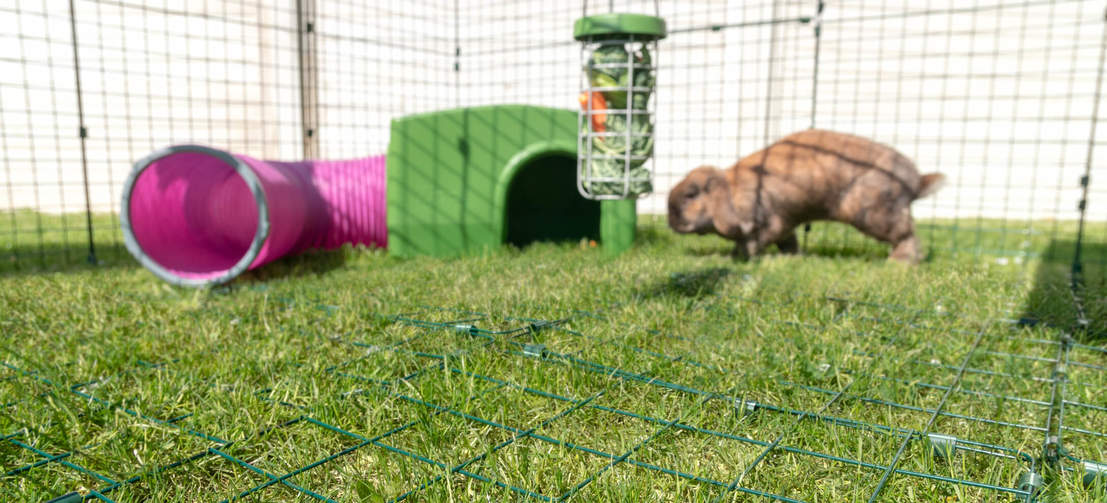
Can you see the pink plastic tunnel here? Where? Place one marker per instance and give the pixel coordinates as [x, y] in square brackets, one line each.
[198, 216]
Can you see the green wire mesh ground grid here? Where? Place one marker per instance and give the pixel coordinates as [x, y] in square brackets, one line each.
[994, 402]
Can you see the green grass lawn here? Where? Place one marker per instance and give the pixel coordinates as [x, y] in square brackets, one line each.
[668, 373]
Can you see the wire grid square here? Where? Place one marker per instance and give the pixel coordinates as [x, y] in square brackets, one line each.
[945, 479]
[500, 441]
[268, 451]
[634, 480]
[708, 456]
[511, 465]
[125, 444]
[372, 366]
[233, 410]
[384, 464]
[376, 473]
[1005, 420]
[52, 474]
[167, 483]
[447, 438]
[517, 409]
[803, 474]
[134, 447]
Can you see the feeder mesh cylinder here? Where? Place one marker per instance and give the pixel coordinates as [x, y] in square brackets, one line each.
[615, 143]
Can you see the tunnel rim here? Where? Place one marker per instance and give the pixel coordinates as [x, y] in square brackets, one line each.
[256, 190]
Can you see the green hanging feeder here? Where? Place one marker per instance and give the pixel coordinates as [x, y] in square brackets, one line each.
[616, 130]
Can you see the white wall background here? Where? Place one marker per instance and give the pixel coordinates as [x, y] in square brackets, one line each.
[997, 95]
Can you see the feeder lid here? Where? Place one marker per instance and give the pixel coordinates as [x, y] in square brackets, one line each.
[606, 25]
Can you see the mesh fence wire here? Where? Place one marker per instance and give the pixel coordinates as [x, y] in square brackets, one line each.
[1001, 96]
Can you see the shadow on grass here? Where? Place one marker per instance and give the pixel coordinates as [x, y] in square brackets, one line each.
[869, 252]
[708, 251]
[305, 264]
[1052, 301]
[841, 241]
[695, 284]
[50, 258]
[57, 257]
[874, 251]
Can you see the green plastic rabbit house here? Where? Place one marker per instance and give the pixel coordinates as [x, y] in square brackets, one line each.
[469, 179]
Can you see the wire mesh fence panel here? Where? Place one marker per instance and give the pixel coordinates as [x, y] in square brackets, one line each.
[150, 75]
[374, 64]
[998, 96]
[273, 81]
[41, 136]
[838, 395]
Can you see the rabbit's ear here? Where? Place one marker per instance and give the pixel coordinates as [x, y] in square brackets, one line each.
[725, 216]
[716, 182]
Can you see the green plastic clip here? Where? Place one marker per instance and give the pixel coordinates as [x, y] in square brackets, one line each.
[943, 446]
[535, 350]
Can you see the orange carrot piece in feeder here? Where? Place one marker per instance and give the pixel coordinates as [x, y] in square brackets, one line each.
[598, 105]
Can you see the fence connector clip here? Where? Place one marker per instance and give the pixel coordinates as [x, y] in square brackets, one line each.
[745, 407]
[1093, 472]
[466, 328]
[1060, 372]
[1051, 451]
[818, 31]
[943, 446]
[538, 326]
[535, 350]
[1032, 483]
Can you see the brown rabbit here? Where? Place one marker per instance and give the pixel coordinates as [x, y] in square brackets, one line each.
[809, 175]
